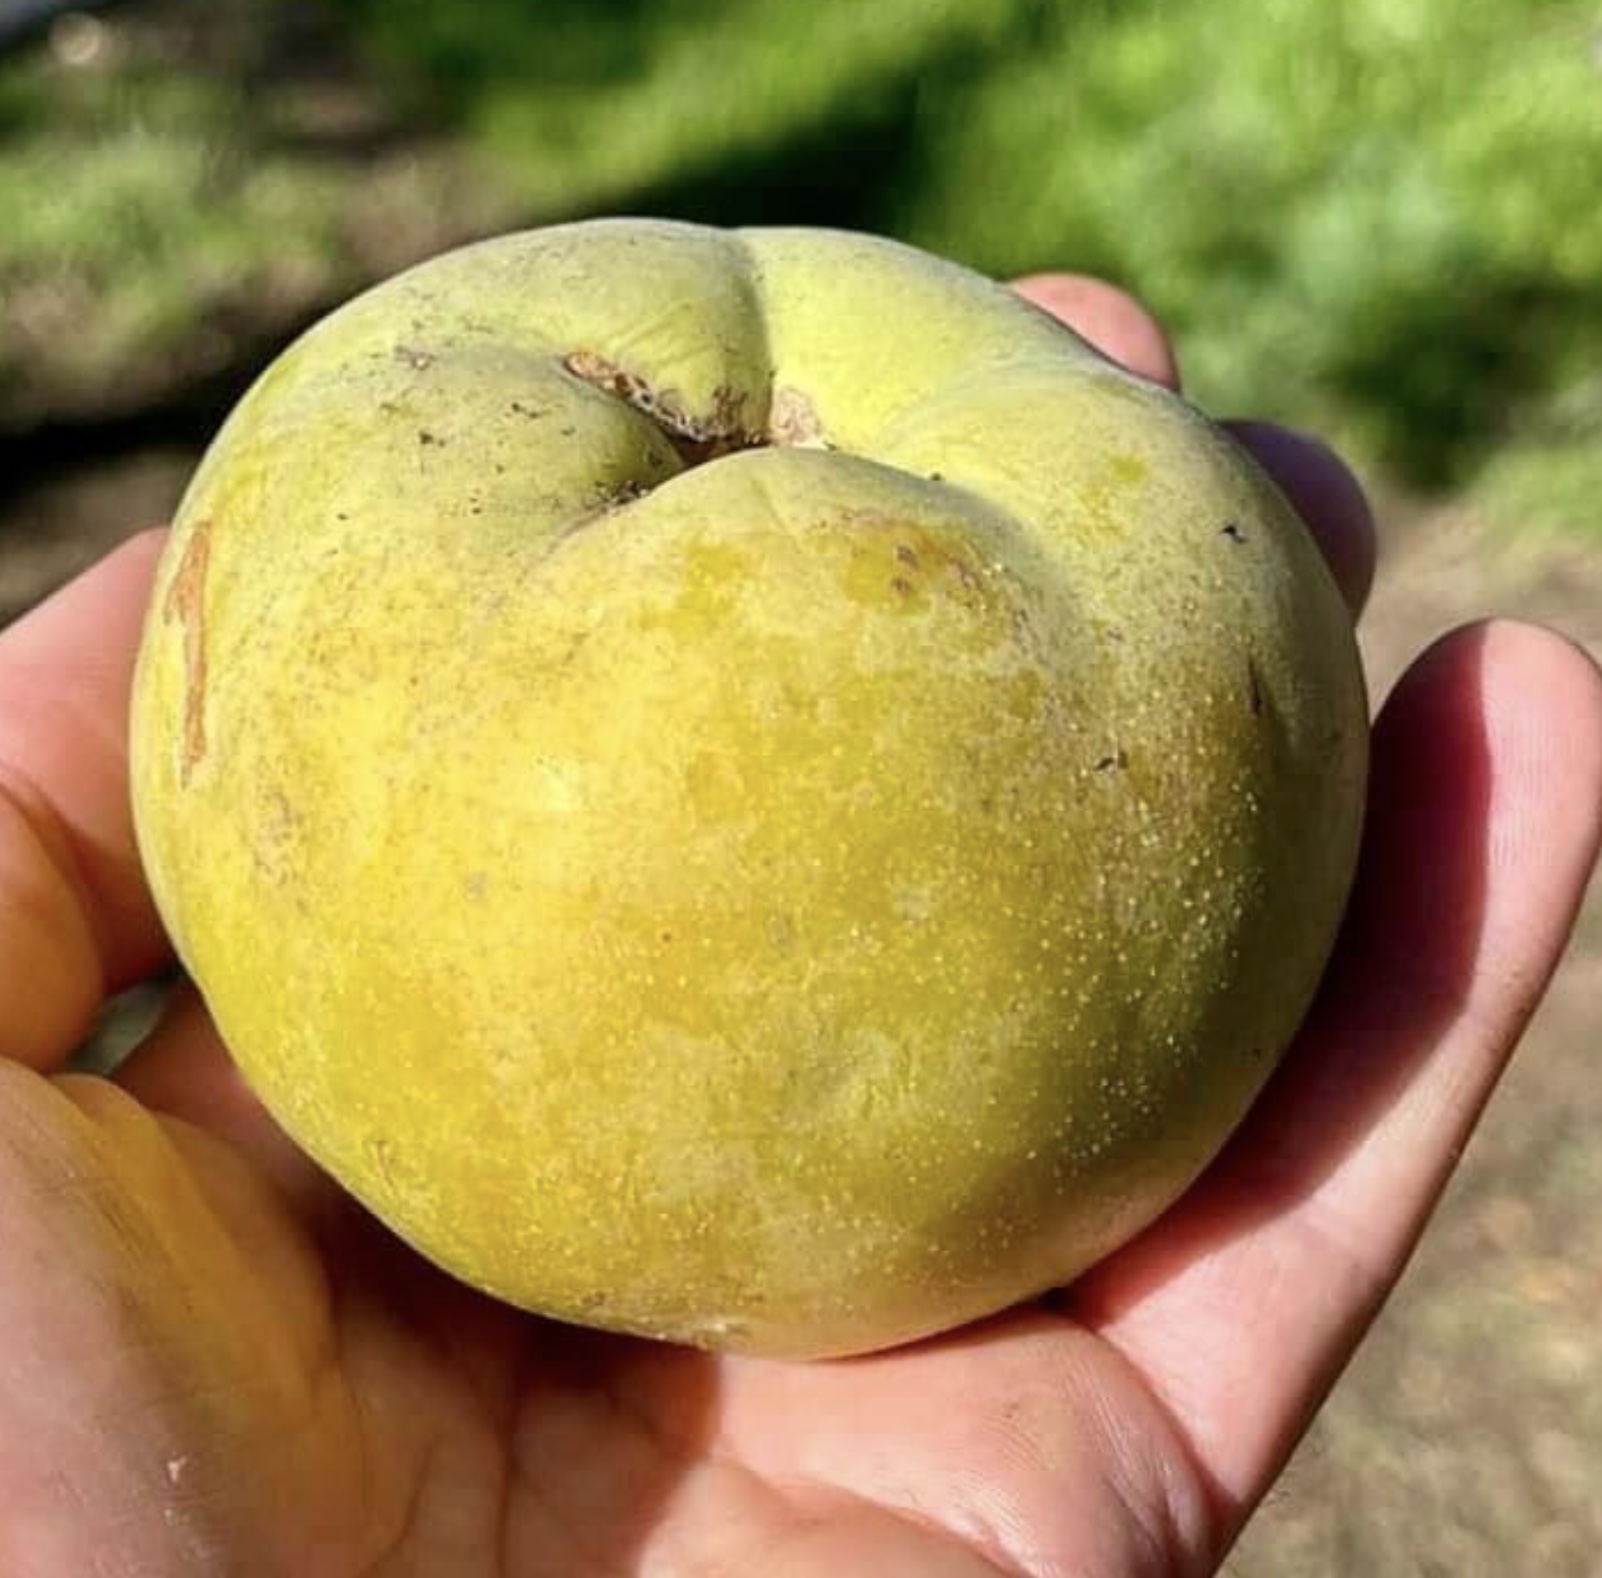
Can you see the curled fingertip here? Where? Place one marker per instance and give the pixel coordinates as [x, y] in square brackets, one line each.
[1109, 318]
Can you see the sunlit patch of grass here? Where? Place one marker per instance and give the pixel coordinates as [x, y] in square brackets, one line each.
[136, 211]
[170, 197]
[596, 106]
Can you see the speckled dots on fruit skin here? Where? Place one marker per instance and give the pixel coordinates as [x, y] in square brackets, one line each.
[743, 786]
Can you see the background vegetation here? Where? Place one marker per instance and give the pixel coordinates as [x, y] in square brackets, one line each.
[1379, 216]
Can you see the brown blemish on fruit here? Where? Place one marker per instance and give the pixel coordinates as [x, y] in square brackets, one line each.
[967, 578]
[793, 421]
[276, 841]
[606, 501]
[186, 602]
[697, 439]
[1254, 683]
[1233, 531]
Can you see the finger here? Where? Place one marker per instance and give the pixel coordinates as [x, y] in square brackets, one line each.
[1325, 494]
[182, 1070]
[1111, 319]
[1244, 1302]
[76, 918]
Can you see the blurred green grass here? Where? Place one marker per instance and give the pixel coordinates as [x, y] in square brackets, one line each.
[1375, 216]
[182, 184]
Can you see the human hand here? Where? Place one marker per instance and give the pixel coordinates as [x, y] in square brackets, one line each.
[211, 1361]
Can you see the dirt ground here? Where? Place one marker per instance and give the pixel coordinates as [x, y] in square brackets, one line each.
[1467, 1438]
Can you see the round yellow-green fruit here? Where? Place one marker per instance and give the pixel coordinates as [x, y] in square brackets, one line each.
[743, 786]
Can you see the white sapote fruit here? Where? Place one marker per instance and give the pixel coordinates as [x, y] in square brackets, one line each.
[743, 786]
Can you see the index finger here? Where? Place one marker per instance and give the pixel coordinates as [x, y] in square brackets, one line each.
[76, 917]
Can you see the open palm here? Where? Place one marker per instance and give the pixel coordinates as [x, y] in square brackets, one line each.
[212, 1362]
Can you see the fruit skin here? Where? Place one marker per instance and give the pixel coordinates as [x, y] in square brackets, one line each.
[745, 787]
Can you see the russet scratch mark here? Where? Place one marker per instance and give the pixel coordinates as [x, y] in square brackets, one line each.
[186, 602]
[1256, 696]
[793, 420]
[698, 439]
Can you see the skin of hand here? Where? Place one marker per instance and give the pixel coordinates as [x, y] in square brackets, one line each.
[212, 1362]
